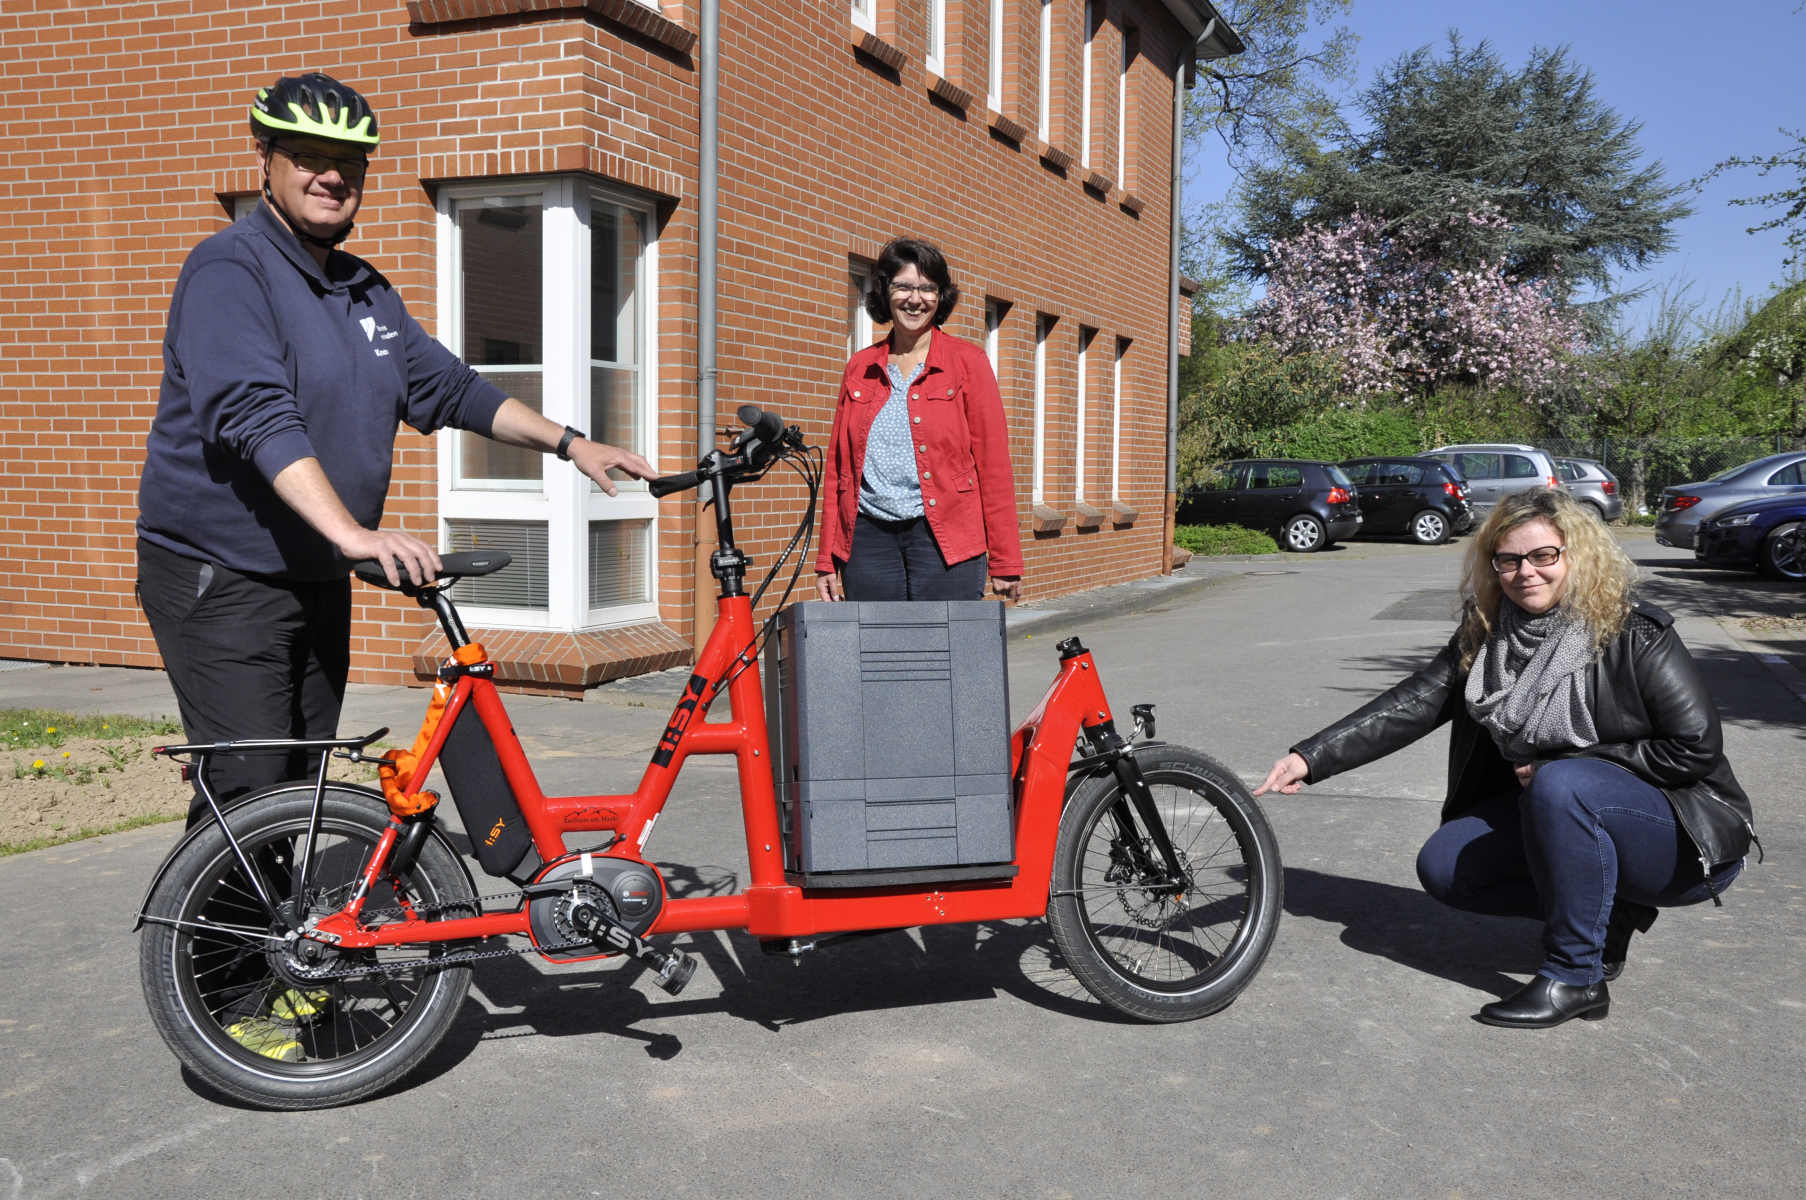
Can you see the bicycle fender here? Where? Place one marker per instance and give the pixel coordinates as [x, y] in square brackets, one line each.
[438, 832]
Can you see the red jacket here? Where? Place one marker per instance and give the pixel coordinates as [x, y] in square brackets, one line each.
[956, 414]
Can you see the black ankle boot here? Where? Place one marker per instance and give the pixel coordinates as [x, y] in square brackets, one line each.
[1543, 1004]
[1627, 918]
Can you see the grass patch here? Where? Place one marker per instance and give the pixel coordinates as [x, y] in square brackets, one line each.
[42, 843]
[1223, 539]
[35, 728]
[1644, 519]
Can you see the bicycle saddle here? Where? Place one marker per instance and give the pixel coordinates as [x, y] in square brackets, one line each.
[451, 566]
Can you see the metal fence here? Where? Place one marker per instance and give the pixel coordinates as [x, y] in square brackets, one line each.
[1646, 465]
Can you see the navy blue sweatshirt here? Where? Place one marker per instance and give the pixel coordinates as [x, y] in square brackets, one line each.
[267, 360]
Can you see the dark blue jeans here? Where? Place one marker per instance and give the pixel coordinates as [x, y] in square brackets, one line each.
[1582, 833]
[900, 560]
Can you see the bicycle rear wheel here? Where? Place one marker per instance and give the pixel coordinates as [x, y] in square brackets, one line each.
[237, 1007]
[1150, 950]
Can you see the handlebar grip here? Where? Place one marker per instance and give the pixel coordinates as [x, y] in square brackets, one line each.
[768, 427]
[666, 485]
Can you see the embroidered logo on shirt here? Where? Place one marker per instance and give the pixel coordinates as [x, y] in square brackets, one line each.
[369, 324]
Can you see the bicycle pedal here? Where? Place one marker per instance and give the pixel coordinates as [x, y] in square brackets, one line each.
[676, 972]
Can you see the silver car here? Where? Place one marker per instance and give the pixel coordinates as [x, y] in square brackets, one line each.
[1590, 481]
[1495, 470]
[1686, 505]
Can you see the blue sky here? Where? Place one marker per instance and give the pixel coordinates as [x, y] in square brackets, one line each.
[1708, 81]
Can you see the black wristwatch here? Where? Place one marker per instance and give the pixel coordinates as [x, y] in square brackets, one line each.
[564, 443]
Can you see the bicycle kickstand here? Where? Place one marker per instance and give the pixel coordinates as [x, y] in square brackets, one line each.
[671, 970]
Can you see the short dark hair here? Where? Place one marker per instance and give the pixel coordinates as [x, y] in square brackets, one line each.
[927, 258]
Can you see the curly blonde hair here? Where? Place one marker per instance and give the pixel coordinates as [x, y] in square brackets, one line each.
[1601, 577]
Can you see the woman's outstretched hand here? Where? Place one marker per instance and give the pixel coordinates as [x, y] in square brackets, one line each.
[824, 586]
[1286, 777]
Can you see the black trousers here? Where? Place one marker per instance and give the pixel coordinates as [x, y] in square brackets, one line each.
[900, 560]
[249, 657]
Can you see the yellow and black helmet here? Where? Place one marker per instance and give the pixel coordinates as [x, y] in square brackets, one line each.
[314, 105]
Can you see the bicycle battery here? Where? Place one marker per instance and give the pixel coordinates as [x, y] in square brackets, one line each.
[890, 736]
[491, 813]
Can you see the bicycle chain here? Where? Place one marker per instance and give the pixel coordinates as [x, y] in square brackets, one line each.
[451, 960]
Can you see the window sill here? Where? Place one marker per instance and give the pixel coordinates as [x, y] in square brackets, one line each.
[1121, 514]
[1132, 204]
[868, 43]
[951, 92]
[1055, 157]
[629, 14]
[1003, 127]
[557, 663]
[1089, 518]
[1100, 183]
[1047, 520]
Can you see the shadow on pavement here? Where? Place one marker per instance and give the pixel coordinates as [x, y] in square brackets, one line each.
[1408, 927]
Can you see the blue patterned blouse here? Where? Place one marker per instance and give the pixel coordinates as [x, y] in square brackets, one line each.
[888, 488]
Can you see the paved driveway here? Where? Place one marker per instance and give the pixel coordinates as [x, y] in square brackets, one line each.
[964, 1061]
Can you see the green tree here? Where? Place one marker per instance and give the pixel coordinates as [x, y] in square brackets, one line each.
[1462, 132]
[1769, 352]
[1791, 201]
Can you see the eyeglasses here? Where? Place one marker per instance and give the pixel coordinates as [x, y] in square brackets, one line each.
[1542, 556]
[926, 291]
[351, 170]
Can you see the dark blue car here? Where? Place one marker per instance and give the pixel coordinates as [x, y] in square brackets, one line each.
[1765, 535]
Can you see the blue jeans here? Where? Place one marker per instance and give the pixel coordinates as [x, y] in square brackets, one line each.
[1582, 833]
[900, 560]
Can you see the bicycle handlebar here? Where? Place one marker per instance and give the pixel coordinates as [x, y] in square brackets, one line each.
[665, 485]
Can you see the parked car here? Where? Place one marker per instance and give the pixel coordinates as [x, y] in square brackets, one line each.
[1423, 498]
[1764, 535]
[1685, 506]
[1305, 505]
[1588, 480]
[1495, 470]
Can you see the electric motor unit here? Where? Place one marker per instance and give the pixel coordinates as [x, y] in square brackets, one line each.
[627, 892]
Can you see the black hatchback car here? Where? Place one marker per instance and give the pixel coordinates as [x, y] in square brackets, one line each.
[1423, 498]
[1305, 505]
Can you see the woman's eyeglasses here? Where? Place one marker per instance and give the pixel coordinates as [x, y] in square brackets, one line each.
[351, 170]
[926, 291]
[1542, 556]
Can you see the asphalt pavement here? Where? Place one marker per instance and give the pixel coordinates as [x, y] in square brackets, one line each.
[965, 1061]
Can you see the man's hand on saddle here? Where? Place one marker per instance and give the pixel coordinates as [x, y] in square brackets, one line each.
[1286, 777]
[419, 559]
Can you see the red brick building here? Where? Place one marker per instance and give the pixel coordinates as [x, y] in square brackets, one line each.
[535, 201]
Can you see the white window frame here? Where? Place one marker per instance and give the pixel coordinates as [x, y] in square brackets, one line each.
[859, 322]
[937, 37]
[1040, 461]
[1078, 486]
[994, 75]
[865, 15]
[244, 206]
[1122, 348]
[1122, 116]
[1085, 104]
[567, 501]
[1045, 97]
[993, 330]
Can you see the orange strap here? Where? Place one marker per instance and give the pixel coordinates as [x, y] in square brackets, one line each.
[398, 765]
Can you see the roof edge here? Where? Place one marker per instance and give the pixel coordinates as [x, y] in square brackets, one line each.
[1195, 15]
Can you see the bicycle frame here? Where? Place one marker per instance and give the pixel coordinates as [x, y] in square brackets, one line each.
[770, 907]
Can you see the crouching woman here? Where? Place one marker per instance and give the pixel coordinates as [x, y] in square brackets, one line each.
[1588, 785]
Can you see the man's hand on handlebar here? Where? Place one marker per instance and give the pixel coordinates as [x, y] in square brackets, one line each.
[597, 459]
[1286, 777]
[420, 560]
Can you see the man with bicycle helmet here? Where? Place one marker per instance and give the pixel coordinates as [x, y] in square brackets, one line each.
[287, 364]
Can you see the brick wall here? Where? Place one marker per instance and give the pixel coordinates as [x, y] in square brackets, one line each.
[129, 138]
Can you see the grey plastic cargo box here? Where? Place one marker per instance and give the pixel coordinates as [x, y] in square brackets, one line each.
[890, 735]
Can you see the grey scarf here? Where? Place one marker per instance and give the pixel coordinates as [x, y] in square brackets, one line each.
[1527, 685]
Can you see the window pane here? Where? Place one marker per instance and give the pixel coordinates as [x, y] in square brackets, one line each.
[520, 584]
[1786, 477]
[614, 331]
[1478, 466]
[499, 241]
[617, 563]
[1519, 467]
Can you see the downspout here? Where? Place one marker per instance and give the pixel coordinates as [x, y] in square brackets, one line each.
[1172, 312]
[707, 236]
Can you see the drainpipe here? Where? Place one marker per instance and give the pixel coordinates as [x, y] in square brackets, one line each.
[707, 232]
[1172, 312]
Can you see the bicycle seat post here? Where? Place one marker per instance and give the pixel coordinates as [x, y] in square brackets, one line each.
[439, 600]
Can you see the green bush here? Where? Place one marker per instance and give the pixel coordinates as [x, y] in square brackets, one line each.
[1223, 539]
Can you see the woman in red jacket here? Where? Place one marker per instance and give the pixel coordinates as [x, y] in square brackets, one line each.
[920, 499]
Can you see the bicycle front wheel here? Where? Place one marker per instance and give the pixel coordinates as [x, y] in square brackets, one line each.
[237, 1005]
[1152, 949]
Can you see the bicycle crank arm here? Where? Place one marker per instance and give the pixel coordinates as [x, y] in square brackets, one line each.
[671, 969]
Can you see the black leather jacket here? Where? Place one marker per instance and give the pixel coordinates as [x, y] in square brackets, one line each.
[1649, 703]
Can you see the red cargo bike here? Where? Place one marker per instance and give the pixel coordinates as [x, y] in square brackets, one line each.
[309, 944]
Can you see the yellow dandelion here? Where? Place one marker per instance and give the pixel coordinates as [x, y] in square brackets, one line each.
[65, 754]
[50, 729]
[38, 766]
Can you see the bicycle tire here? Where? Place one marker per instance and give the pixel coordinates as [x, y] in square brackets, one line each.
[1111, 933]
[210, 962]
